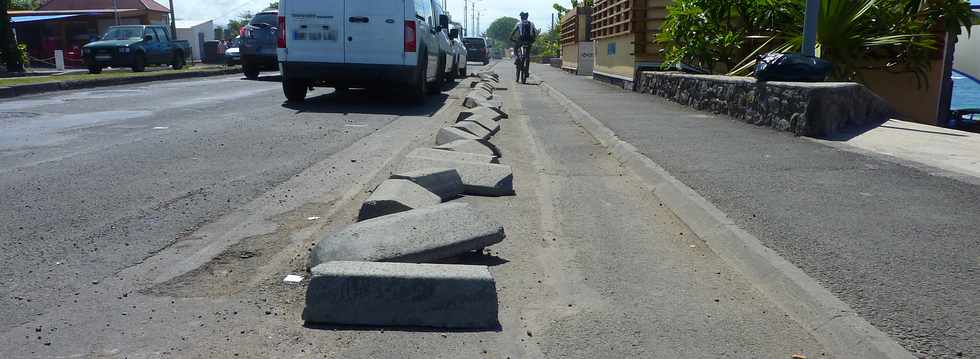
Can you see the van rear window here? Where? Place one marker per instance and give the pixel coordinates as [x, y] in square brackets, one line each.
[269, 19]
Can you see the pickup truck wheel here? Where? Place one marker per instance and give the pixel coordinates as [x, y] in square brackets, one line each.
[295, 90]
[250, 70]
[178, 62]
[139, 63]
[95, 70]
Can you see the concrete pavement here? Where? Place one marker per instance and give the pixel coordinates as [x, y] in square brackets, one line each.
[896, 243]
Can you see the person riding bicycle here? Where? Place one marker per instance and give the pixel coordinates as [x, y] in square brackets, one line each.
[523, 37]
[524, 33]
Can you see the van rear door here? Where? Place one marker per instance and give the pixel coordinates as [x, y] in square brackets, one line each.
[375, 31]
[315, 30]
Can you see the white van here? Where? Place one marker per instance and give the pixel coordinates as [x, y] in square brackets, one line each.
[360, 43]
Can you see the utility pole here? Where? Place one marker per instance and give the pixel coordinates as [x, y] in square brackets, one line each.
[810, 28]
[115, 10]
[473, 14]
[466, 23]
[173, 20]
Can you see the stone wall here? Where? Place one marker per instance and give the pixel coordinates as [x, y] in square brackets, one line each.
[806, 109]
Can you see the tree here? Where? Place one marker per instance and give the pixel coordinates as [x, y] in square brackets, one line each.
[274, 5]
[10, 50]
[235, 25]
[24, 5]
[500, 30]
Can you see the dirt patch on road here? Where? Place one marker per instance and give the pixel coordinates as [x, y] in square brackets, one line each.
[241, 265]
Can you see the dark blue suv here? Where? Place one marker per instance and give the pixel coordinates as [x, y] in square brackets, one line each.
[258, 48]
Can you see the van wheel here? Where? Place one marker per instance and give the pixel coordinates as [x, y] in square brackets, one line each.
[440, 76]
[295, 90]
[139, 63]
[421, 87]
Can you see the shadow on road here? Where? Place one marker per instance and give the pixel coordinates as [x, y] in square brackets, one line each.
[362, 328]
[364, 101]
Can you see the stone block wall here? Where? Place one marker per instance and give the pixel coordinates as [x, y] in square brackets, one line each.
[806, 109]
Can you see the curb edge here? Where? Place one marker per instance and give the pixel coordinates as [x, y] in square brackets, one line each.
[832, 322]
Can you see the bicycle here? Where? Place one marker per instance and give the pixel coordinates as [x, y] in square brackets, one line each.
[523, 63]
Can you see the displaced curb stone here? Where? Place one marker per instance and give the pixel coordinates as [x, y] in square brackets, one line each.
[471, 146]
[480, 111]
[451, 156]
[416, 236]
[394, 196]
[444, 182]
[474, 128]
[481, 179]
[400, 294]
[450, 134]
[485, 122]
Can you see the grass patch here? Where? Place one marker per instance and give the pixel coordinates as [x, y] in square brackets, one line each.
[151, 71]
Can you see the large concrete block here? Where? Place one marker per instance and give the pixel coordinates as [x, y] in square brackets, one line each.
[416, 236]
[450, 134]
[396, 195]
[452, 156]
[444, 182]
[401, 294]
[480, 111]
[481, 179]
[477, 98]
[471, 146]
[486, 86]
[474, 128]
[485, 122]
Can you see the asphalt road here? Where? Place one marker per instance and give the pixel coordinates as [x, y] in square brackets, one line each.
[899, 244]
[93, 182]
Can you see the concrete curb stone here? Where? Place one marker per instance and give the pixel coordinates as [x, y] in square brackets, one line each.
[444, 182]
[401, 294]
[480, 111]
[450, 134]
[485, 122]
[471, 146]
[417, 236]
[432, 153]
[29, 89]
[394, 196]
[474, 128]
[480, 179]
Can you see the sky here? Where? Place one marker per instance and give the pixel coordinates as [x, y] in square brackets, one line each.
[222, 10]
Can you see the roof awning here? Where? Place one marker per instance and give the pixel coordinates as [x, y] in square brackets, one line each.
[33, 18]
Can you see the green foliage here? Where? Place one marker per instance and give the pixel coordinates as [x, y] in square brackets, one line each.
[547, 44]
[500, 30]
[21, 54]
[236, 25]
[855, 35]
[274, 5]
[23, 4]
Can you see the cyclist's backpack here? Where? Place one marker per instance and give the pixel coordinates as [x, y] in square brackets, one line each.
[526, 32]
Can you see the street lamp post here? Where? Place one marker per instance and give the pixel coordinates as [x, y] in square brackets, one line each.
[810, 28]
[173, 20]
[115, 10]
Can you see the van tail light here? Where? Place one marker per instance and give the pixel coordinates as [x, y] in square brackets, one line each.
[281, 42]
[410, 39]
[244, 33]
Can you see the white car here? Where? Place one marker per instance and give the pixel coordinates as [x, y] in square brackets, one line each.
[460, 60]
[357, 43]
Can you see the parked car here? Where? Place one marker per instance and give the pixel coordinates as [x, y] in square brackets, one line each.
[233, 54]
[445, 45]
[477, 49]
[459, 68]
[353, 43]
[135, 46]
[258, 46]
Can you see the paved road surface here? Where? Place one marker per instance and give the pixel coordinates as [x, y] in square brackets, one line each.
[95, 181]
[898, 244]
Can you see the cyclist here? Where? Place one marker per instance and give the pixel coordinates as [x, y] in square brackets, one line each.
[523, 36]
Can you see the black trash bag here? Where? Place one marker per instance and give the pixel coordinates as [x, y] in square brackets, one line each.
[791, 68]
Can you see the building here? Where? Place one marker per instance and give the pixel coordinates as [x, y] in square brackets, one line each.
[196, 32]
[70, 24]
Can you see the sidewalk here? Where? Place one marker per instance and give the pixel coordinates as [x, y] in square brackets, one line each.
[899, 245]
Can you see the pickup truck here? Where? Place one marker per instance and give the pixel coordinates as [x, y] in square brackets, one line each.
[135, 46]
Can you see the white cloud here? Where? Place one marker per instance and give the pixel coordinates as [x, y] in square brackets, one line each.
[222, 10]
